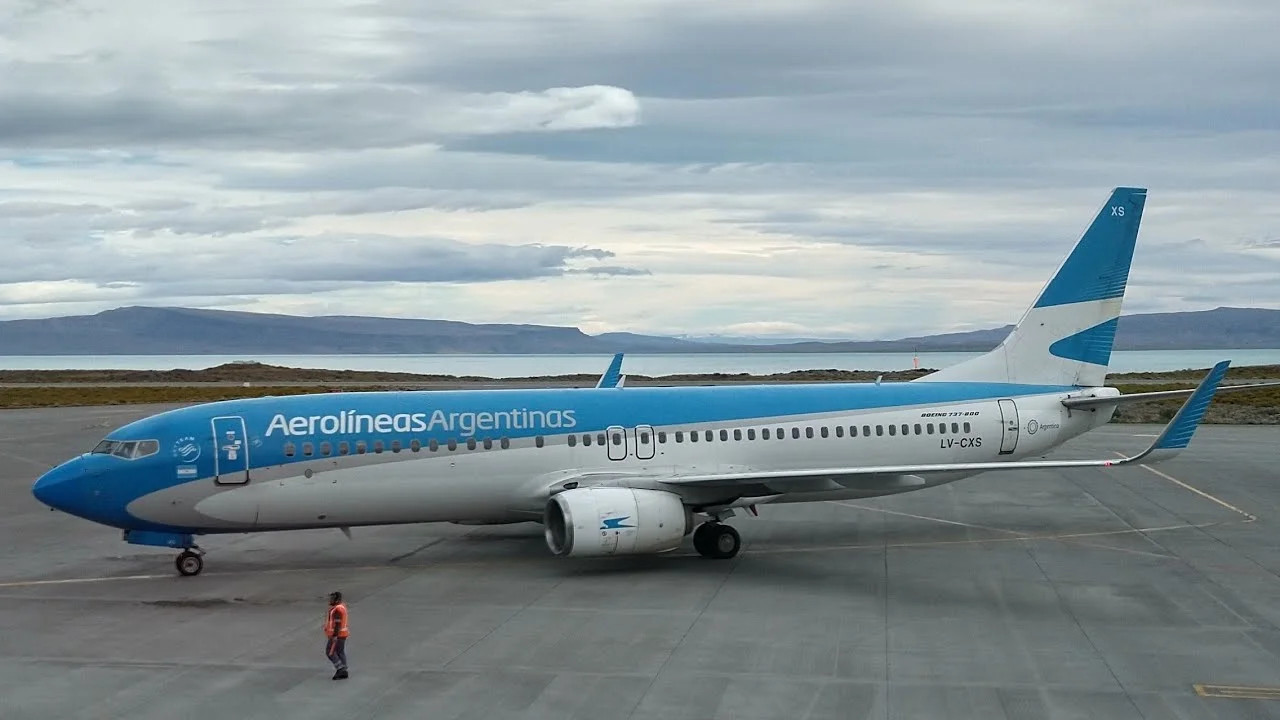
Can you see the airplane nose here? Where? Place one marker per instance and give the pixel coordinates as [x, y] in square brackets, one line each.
[58, 487]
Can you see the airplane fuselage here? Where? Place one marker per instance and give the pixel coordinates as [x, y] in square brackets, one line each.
[350, 459]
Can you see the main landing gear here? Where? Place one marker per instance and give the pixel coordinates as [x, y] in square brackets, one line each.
[716, 541]
[190, 561]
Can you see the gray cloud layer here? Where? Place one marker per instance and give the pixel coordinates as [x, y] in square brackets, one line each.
[156, 148]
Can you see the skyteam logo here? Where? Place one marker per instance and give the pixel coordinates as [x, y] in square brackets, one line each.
[351, 422]
[186, 449]
[615, 523]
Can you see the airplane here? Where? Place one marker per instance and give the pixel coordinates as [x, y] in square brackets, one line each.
[612, 473]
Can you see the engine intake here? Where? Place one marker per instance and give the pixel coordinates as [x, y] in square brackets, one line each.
[594, 522]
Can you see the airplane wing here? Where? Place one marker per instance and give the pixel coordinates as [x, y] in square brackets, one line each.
[612, 377]
[1175, 437]
[1088, 401]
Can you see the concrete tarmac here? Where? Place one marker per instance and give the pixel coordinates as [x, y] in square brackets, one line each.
[1050, 594]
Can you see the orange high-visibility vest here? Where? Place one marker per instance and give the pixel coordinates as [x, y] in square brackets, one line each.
[339, 612]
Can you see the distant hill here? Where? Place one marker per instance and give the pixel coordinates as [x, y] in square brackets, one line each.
[183, 331]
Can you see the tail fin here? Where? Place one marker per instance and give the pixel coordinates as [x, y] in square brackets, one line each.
[1065, 338]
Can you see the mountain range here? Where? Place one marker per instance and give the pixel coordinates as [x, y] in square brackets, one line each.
[186, 331]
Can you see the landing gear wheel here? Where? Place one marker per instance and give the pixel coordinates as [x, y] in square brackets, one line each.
[716, 541]
[189, 563]
[702, 538]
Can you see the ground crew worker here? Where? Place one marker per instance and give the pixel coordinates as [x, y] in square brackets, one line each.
[336, 632]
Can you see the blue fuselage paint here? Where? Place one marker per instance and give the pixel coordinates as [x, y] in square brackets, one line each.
[344, 459]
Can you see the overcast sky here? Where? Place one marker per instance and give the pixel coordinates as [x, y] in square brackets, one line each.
[825, 169]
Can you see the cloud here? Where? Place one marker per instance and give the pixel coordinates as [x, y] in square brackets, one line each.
[865, 170]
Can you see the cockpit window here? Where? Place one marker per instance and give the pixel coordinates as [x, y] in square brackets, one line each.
[127, 449]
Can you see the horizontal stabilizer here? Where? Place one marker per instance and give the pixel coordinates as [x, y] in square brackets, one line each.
[1089, 401]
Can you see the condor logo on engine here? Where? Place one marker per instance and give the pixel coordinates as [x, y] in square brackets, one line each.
[615, 523]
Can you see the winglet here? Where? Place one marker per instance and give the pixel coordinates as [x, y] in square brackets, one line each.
[1177, 434]
[612, 377]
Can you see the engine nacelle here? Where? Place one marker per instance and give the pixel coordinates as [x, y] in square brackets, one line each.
[591, 522]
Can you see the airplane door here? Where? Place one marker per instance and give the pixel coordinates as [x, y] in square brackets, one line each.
[616, 439]
[231, 451]
[1009, 438]
[645, 444]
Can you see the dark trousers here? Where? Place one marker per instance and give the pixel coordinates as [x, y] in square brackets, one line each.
[336, 650]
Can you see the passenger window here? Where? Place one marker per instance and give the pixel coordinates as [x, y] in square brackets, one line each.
[599, 438]
[471, 443]
[505, 443]
[344, 448]
[966, 427]
[693, 436]
[538, 441]
[751, 433]
[928, 428]
[307, 448]
[853, 431]
[906, 429]
[795, 433]
[326, 449]
[378, 446]
[781, 434]
[808, 432]
[737, 434]
[432, 445]
[644, 437]
[586, 440]
[679, 436]
[764, 433]
[395, 446]
[573, 441]
[415, 445]
[488, 443]
[918, 431]
[452, 444]
[662, 436]
[617, 438]
[839, 431]
[893, 430]
[955, 428]
[710, 436]
[866, 430]
[823, 431]
[724, 436]
[361, 448]
[879, 430]
[288, 449]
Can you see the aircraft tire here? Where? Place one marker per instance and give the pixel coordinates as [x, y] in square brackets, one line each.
[704, 539]
[189, 563]
[725, 543]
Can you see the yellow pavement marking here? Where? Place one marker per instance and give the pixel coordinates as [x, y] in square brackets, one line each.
[1239, 692]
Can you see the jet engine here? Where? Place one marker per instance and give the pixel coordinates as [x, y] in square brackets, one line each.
[592, 522]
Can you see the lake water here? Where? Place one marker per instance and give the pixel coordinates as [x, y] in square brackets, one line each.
[638, 364]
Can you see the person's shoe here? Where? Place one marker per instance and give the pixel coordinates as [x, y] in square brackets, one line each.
[337, 675]
[341, 675]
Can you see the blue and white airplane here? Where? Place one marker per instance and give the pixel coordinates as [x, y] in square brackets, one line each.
[613, 471]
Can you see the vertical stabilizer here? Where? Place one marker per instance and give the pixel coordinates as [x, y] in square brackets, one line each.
[1065, 338]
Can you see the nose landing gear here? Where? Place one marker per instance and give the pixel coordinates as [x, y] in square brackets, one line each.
[190, 561]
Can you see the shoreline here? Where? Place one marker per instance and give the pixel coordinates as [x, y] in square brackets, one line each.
[80, 388]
